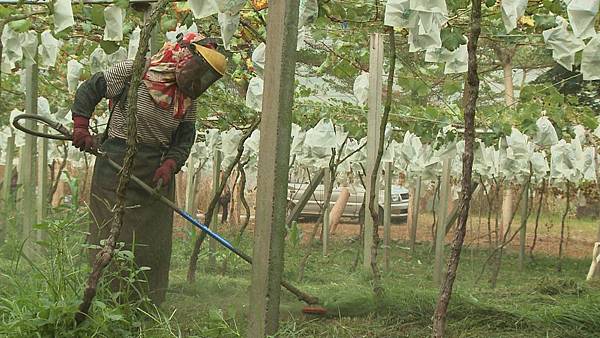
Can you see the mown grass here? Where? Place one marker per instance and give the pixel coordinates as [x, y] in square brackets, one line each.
[535, 302]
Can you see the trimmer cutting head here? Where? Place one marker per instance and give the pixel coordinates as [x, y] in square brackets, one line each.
[314, 310]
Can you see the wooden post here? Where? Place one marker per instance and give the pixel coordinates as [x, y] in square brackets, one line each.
[327, 186]
[507, 211]
[387, 216]
[308, 193]
[597, 268]
[338, 209]
[595, 259]
[216, 180]
[441, 229]
[409, 210]
[523, 231]
[42, 179]
[27, 156]
[416, 199]
[271, 202]
[374, 121]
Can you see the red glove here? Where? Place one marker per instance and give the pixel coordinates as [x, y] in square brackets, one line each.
[165, 171]
[81, 134]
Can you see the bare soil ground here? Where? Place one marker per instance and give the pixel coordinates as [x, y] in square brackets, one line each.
[580, 235]
[579, 238]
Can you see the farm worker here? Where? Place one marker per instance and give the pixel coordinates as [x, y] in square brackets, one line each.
[166, 113]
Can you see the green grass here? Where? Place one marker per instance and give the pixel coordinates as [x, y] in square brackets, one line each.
[537, 302]
[41, 294]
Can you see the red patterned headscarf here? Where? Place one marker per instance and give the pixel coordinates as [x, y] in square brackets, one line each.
[160, 77]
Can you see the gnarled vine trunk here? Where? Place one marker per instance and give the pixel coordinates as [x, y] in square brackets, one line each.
[471, 95]
[105, 255]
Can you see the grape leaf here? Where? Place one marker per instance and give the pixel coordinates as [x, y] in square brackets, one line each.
[452, 38]
[553, 6]
[20, 26]
[169, 24]
[127, 27]
[64, 34]
[87, 27]
[97, 15]
[109, 47]
[122, 3]
[544, 21]
[4, 11]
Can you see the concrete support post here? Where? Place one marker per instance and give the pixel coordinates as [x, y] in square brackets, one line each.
[387, 216]
[416, 199]
[271, 204]
[19, 192]
[374, 121]
[441, 225]
[8, 171]
[27, 156]
[42, 179]
[7, 185]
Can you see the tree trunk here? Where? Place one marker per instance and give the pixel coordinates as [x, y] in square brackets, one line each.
[537, 218]
[562, 229]
[523, 231]
[471, 95]
[435, 198]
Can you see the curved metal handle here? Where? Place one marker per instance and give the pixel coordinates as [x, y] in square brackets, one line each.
[65, 134]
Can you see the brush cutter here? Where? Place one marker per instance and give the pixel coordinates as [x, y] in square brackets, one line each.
[65, 134]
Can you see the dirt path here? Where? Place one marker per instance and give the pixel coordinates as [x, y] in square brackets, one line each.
[578, 242]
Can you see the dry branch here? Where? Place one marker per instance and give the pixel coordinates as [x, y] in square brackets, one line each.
[243, 200]
[562, 228]
[55, 179]
[537, 218]
[193, 264]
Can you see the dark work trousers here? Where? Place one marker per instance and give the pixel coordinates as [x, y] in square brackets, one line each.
[147, 223]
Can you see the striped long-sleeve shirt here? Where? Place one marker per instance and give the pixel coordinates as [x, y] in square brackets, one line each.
[155, 125]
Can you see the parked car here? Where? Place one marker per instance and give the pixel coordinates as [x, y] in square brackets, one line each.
[354, 209]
